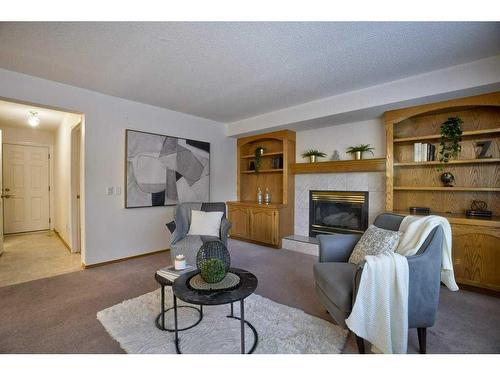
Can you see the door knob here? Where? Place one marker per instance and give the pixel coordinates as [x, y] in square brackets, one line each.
[6, 196]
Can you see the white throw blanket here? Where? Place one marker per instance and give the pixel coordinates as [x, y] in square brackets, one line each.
[415, 231]
[380, 312]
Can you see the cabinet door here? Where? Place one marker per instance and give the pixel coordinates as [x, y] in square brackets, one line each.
[476, 255]
[264, 225]
[238, 216]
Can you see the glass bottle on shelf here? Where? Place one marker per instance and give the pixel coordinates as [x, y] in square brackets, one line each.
[259, 195]
[267, 197]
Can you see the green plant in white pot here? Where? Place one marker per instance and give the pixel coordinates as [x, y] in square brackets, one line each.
[313, 155]
[358, 151]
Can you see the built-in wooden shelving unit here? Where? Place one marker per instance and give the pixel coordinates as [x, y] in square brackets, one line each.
[476, 241]
[264, 223]
[365, 165]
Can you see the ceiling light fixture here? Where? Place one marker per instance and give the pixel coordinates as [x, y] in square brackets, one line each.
[33, 119]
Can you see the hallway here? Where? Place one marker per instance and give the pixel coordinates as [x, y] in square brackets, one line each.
[33, 256]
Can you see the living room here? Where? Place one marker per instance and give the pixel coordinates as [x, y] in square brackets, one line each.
[263, 172]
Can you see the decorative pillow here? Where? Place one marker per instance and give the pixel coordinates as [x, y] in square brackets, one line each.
[373, 242]
[205, 223]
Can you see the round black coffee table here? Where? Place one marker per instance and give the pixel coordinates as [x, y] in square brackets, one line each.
[160, 319]
[247, 285]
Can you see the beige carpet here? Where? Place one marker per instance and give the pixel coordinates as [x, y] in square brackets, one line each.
[281, 329]
[34, 256]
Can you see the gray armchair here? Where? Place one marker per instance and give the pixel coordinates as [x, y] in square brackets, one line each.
[337, 281]
[181, 242]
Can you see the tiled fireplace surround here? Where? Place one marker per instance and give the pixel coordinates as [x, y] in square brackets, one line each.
[373, 182]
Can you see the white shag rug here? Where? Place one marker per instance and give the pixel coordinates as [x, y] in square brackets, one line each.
[281, 329]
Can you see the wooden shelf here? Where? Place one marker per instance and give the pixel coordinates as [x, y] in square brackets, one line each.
[461, 218]
[365, 165]
[431, 163]
[441, 188]
[263, 155]
[264, 171]
[471, 133]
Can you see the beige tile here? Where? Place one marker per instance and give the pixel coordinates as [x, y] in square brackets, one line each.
[35, 256]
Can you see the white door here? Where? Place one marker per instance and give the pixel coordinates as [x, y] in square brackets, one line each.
[26, 188]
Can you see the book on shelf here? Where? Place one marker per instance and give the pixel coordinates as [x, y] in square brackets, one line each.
[423, 152]
[170, 273]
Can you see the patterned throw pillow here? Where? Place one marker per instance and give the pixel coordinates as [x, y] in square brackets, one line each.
[373, 242]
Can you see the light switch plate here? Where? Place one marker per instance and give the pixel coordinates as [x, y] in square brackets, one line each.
[118, 190]
[109, 190]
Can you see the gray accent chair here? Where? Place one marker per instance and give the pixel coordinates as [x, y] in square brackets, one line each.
[181, 242]
[337, 281]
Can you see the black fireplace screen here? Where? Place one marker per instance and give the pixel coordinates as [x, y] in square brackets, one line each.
[337, 212]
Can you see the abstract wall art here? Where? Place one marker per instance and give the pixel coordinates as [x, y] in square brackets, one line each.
[163, 170]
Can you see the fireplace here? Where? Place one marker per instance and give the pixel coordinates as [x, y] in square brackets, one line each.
[337, 212]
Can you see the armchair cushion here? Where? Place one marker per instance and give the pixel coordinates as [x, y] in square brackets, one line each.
[373, 242]
[205, 223]
[336, 281]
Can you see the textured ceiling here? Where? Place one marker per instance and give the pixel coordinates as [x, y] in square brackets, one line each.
[231, 71]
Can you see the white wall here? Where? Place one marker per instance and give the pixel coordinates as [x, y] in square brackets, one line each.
[62, 177]
[110, 230]
[340, 137]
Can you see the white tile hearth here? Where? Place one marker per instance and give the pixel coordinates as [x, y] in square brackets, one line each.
[373, 182]
[301, 244]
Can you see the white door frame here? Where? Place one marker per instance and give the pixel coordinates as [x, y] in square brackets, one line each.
[75, 188]
[51, 175]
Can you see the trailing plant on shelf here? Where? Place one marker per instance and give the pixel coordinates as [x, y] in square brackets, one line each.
[259, 151]
[358, 150]
[451, 136]
[313, 154]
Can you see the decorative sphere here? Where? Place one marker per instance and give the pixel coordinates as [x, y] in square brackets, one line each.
[213, 261]
[448, 179]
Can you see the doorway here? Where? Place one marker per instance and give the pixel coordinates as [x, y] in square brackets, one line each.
[41, 181]
[26, 188]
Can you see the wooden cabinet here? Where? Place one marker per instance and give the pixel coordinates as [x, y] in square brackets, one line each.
[257, 223]
[476, 255]
[266, 224]
[239, 218]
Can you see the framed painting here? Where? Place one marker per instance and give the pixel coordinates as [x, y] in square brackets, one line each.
[162, 170]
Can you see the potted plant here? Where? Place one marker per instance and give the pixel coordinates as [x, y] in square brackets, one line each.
[259, 151]
[358, 151]
[313, 154]
[451, 136]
